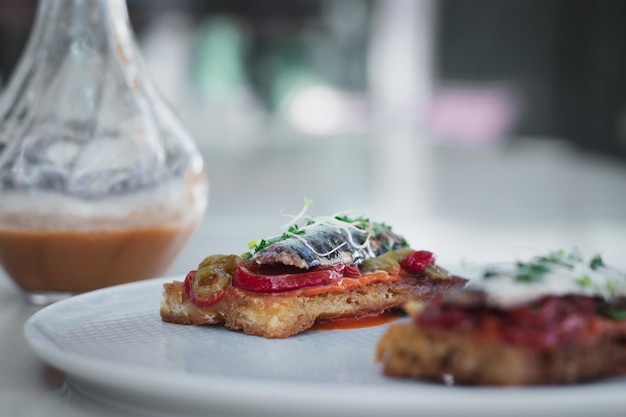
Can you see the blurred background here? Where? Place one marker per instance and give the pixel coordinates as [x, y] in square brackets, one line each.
[470, 126]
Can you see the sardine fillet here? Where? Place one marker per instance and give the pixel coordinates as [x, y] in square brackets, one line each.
[325, 245]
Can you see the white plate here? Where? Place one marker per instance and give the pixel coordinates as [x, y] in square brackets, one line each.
[113, 345]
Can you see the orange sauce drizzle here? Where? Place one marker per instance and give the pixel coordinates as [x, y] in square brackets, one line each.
[360, 322]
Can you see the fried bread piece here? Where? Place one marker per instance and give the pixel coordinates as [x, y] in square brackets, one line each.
[408, 351]
[319, 268]
[286, 314]
[558, 319]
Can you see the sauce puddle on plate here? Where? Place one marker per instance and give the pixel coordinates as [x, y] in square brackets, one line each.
[346, 323]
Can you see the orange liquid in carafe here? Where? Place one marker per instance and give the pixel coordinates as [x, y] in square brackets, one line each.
[83, 260]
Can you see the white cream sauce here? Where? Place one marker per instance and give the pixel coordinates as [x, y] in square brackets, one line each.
[577, 275]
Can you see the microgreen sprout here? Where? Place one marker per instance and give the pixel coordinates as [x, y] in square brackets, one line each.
[584, 281]
[299, 224]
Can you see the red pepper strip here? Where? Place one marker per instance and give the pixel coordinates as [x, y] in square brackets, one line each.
[279, 279]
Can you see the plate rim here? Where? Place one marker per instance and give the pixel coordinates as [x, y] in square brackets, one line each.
[399, 394]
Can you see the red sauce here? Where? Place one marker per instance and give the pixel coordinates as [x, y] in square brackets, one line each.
[360, 322]
[546, 324]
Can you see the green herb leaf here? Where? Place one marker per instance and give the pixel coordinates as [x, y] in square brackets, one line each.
[490, 273]
[615, 314]
[258, 245]
[374, 229]
[531, 272]
[365, 223]
[560, 257]
[596, 262]
[354, 220]
[610, 288]
[584, 281]
[294, 229]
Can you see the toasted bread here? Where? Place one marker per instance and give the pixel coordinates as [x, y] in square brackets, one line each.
[319, 268]
[282, 315]
[407, 351]
[556, 319]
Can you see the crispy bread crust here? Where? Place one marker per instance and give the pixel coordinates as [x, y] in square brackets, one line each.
[279, 316]
[408, 351]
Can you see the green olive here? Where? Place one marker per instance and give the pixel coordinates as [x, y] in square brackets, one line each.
[387, 261]
[436, 272]
[215, 270]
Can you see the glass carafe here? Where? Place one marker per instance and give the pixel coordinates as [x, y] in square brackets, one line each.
[99, 182]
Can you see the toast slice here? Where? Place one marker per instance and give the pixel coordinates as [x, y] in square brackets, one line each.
[319, 268]
[465, 358]
[557, 319]
[285, 314]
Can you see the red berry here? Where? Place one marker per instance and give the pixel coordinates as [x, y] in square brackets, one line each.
[418, 261]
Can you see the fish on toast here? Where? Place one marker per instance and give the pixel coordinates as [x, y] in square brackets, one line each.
[319, 268]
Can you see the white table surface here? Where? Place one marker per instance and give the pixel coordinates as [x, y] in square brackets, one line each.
[463, 204]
